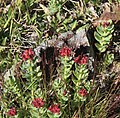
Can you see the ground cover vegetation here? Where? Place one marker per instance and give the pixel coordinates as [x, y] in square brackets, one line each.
[60, 58]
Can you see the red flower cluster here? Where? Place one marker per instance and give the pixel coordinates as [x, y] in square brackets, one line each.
[12, 112]
[105, 24]
[65, 51]
[64, 92]
[28, 54]
[83, 92]
[81, 60]
[38, 102]
[54, 109]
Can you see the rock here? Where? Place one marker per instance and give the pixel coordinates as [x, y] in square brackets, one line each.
[65, 39]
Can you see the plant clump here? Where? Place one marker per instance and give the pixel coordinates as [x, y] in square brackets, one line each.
[59, 59]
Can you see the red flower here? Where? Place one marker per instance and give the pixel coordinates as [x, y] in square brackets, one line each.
[81, 60]
[64, 92]
[38, 102]
[83, 92]
[65, 52]
[105, 24]
[54, 109]
[12, 112]
[28, 54]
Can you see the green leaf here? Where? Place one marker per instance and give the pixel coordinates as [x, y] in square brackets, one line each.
[108, 59]
[7, 21]
[86, 1]
[10, 15]
[39, 74]
[110, 28]
[102, 31]
[97, 36]
[51, 115]
[74, 24]
[58, 16]
[65, 98]
[38, 69]
[2, 49]
[100, 48]
[74, 81]
[107, 39]
[67, 20]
